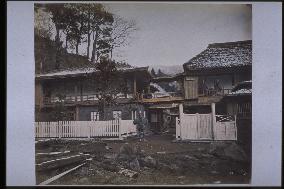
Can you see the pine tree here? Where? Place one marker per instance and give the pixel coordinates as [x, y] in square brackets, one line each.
[153, 73]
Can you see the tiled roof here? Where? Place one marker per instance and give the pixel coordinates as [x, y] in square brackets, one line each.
[218, 55]
[82, 71]
[242, 88]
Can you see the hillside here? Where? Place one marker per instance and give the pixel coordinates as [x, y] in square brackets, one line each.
[169, 70]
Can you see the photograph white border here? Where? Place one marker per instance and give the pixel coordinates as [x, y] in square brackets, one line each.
[266, 101]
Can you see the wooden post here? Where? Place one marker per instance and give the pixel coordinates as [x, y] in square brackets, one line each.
[119, 129]
[213, 120]
[77, 113]
[236, 133]
[81, 92]
[134, 86]
[59, 129]
[180, 119]
[76, 92]
[197, 136]
[89, 129]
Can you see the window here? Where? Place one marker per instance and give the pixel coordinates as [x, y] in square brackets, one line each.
[134, 116]
[116, 114]
[95, 116]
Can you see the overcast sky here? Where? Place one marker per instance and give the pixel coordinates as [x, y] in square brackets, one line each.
[171, 34]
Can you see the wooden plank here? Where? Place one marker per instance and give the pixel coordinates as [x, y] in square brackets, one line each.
[61, 175]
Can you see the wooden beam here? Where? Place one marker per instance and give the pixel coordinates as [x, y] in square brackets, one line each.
[61, 162]
[76, 92]
[77, 112]
[213, 120]
[134, 86]
[60, 175]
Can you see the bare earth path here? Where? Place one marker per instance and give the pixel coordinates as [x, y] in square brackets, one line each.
[159, 161]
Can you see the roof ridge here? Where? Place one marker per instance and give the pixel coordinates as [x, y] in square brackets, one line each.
[249, 42]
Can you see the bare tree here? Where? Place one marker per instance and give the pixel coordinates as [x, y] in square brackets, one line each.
[121, 32]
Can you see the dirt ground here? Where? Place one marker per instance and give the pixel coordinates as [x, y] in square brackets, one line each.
[156, 161]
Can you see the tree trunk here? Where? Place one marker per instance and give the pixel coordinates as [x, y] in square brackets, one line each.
[66, 41]
[111, 49]
[94, 48]
[77, 46]
[57, 39]
[57, 42]
[89, 35]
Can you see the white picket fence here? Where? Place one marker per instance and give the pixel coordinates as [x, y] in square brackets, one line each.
[85, 129]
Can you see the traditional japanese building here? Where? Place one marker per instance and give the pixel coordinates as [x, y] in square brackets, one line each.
[214, 73]
[77, 90]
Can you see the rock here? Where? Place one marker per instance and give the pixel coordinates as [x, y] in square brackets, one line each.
[109, 156]
[188, 157]
[173, 168]
[107, 148]
[161, 152]
[235, 152]
[134, 165]
[128, 173]
[165, 168]
[242, 172]
[149, 162]
[217, 182]
[126, 151]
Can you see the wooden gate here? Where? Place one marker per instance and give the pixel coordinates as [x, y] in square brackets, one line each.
[196, 127]
[205, 126]
[225, 127]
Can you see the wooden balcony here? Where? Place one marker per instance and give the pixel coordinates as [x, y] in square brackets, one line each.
[84, 99]
[160, 97]
[213, 92]
[212, 95]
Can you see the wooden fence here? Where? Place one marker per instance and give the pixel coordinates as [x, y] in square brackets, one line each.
[199, 127]
[85, 129]
[225, 127]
